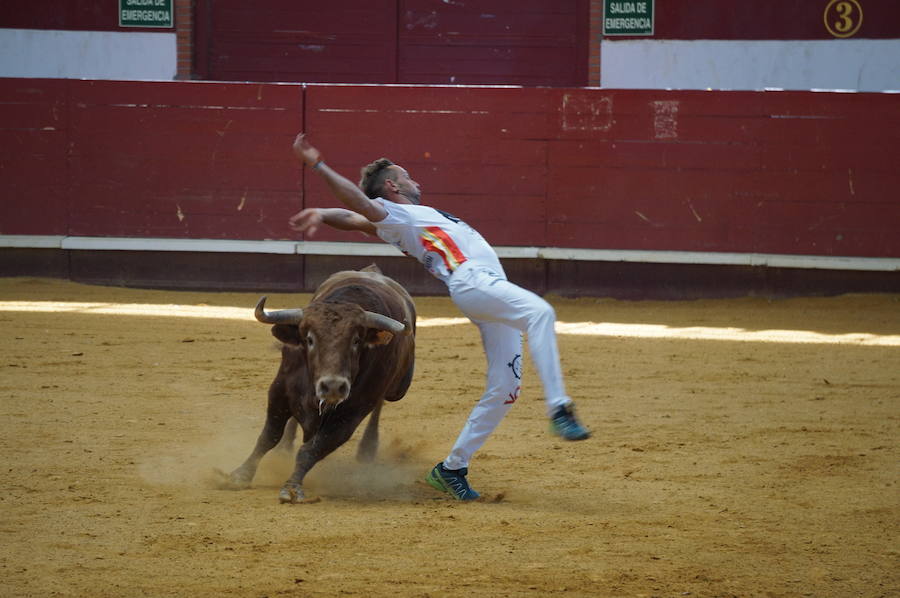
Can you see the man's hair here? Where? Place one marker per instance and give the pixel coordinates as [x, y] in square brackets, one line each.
[373, 177]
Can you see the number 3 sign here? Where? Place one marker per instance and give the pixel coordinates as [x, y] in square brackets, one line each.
[843, 17]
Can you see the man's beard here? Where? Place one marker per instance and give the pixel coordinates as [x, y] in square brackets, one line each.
[413, 196]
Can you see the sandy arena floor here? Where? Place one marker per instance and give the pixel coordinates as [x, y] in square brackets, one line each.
[728, 459]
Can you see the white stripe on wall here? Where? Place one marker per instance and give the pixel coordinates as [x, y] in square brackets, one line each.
[840, 64]
[88, 54]
[816, 262]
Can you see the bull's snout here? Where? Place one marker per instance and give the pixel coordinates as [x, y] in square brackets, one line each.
[332, 389]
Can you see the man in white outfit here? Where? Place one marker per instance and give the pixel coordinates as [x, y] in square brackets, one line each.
[386, 204]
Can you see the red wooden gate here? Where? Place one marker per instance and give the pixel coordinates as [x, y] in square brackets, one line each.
[513, 42]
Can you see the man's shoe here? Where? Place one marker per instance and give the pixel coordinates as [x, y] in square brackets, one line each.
[451, 481]
[564, 423]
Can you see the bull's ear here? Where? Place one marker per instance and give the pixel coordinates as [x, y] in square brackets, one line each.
[378, 337]
[287, 333]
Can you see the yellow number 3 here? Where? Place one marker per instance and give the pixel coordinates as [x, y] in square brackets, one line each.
[843, 17]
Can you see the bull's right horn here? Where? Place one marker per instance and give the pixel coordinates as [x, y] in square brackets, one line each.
[281, 316]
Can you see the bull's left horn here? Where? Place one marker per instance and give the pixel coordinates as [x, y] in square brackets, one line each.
[281, 316]
[382, 322]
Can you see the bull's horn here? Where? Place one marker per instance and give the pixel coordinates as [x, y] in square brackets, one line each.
[382, 322]
[282, 316]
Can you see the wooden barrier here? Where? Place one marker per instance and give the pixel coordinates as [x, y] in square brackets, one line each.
[34, 173]
[197, 161]
[796, 173]
[582, 169]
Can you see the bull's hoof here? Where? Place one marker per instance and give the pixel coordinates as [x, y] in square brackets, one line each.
[236, 480]
[291, 493]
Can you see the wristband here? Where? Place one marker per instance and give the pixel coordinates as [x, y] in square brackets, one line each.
[318, 164]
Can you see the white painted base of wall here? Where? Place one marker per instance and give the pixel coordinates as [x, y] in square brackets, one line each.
[850, 64]
[815, 262]
[88, 54]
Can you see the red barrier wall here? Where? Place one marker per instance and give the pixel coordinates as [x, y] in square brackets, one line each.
[182, 160]
[148, 159]
[34, 173]
[795, 173]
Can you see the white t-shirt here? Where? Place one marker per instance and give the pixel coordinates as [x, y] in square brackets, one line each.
[440, 241]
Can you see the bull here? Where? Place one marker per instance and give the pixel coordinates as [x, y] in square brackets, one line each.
[350, 350]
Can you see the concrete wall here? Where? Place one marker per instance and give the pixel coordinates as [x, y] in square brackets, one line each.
[87, 54]
[695, 44]
[83, 39]
[860, 65]
[786, 44]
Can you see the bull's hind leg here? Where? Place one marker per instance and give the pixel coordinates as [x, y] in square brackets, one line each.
[290, 434]
[276, 418]
[368, 444]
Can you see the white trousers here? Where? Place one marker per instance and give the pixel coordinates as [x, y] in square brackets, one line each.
[504, 311]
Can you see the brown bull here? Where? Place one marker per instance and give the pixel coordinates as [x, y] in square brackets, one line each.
[348, 351]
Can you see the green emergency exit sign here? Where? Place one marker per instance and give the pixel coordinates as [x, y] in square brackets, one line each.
[622, 17]
[146, 13]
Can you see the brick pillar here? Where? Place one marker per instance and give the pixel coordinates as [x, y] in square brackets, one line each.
[594, 36]
[184, 34]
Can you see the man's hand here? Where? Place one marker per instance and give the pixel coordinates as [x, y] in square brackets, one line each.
[307, 221]
[304, 151]
[358, 213]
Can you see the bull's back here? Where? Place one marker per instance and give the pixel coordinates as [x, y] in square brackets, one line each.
[397, 301]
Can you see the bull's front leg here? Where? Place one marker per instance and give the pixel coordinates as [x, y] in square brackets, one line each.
[329, 437]
[276, 418]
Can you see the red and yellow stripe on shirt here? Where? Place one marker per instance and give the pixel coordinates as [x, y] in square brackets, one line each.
[435, 239]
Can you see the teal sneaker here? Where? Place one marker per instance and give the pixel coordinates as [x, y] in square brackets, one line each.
[564, 423]
[451, 481]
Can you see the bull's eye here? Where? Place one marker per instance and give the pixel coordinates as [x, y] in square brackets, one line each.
[309, 340]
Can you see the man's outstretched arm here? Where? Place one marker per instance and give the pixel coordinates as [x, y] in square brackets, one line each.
[342, 188]
[309, 220]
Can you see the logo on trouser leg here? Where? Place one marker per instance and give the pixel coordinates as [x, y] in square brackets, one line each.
[516, 366]
[513, 396]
